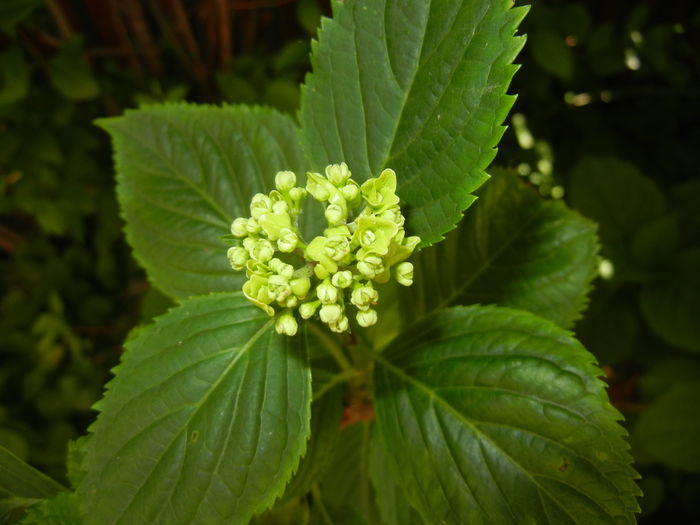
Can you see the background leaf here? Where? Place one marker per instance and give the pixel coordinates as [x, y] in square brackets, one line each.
[493, 415]
[512, 249]
[62, 509]
[669, 430]
[185, 172]
[416, 86]
[204, 422]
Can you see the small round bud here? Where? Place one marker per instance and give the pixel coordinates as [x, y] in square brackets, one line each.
[286, 324]
[297, 194]
[280, 207]
[259, 205]
[327, 293]
[338, 174]
[317, 186]
[262, 251]
[367, 238]
[291, 301]
[341, 326]
[300, 286]
[281, 268]
[350, 192]
[238, 227]
[285, 180]
[321, 272]
[369, 270]
[306, 310]
[364, 296]
[404, 273]
[237, 256]
[287, 241]
[335, 214]
[342, 279]
[330, 313]
[278, 288]
[249, 244]
[367, 317]
[252, 226]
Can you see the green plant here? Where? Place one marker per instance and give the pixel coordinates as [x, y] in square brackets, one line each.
[484, 414]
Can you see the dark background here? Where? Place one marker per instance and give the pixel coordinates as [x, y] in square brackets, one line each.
[611, 80]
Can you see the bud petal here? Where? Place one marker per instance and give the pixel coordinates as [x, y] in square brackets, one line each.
[286, 324]
[364, 296]
[287, 241]
[252, 226]
[338, 174]
[237, 257]
[262, 251]
[340, 326]
[342, 279]
[335, 214]
[300, 286]
[330, 313]
[367, 317]
[327, 293]
[259, 205]
[404, 273]
[238, 227]
[319, 188]
[306, 310]
[285, 181]
[297, 194]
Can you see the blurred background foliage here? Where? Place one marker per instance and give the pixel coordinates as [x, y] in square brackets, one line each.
[606, 119]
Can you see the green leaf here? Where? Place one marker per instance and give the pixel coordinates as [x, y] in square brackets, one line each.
[12, 12]
[325, 430]
[204, 422]
[62, 509]
[392, 503]
[15, 75]
[21, 480]
[418, 87]
[671, 304]
[493, 415]
[617, 196]
[551, 53]
[184, 173]
[669, 429]
[513, 249]
[70, 75]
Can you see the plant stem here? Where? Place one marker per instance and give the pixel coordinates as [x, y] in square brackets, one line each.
[340, 377]
[333, 347]
[318, 500]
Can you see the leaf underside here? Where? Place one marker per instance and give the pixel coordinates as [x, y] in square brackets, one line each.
[204, 422]
[184, 173]
[416, 86]
[493, 415]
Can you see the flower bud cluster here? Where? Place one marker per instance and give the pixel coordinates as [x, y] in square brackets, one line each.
[340, 266]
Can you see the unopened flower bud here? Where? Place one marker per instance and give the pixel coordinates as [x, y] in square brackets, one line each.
[291, 301]
[335, 214]
[252, 226]
[327, 293]
[237, 256]
[342, 279]
[321, 272]
[260, 204]
[351, 193]
[249, 244]
[281, 268]
[330, 313]
[317, 186]
[238, 227]
[306, 310]
[287, 241]
[280, 207]
[404, 273]
[285, 180]
[300, 286]
[278, 288]
[340, 326]
[286, 324]
[297, 194]
[363, 297]
[338, 174]
[262, 251]
[367, 317]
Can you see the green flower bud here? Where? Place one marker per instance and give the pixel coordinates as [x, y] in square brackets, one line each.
[338, 174]
[238, 227]
[285, 181]
[255, 290]
[335, 214]
[281, 268]
[262, 251]
[291, 301]
[330, 313]
[364, 296]
[259, 205]
[370, 264]
[327, 293]
[252, 226]
[237, 256]
[321, 251]
[319, 188]
[280, 207]
[300, 286]
[375, 234]
[287, 241]
[367, 317]
[297, 194]
[404, 273]
[351, 193]
[342, 279]
[321, 272]
[286, 324]
[340, 326]
[307, 310]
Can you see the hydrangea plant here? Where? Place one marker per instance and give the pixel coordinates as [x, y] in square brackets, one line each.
[309, 386]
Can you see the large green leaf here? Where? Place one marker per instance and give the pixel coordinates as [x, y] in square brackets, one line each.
[418, 87]
[21, 484]
[493, 415]
[62, 509]
[669, 429]
[185, 172]
[513, 249]
[204, 422]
